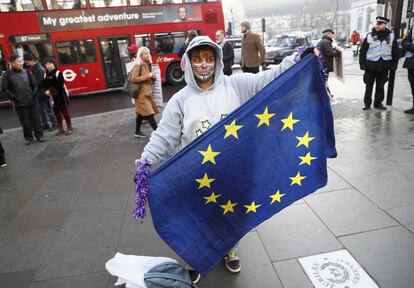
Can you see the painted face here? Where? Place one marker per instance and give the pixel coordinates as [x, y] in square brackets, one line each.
[203, 64]
[50, 66]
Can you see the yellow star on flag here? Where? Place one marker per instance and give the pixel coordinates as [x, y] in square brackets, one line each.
[205, 181]
[209, 155]
[288, 122]
[276, 197]
[297, 179]
[306, 159]
[228, 207]
[305, 140]
[252, 207]
[264, 118]
[231, 130]
[212, 198]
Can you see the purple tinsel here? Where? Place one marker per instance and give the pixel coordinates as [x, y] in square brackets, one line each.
[141, 188]
[321, 60]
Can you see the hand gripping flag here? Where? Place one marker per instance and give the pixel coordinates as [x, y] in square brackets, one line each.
[265, 155]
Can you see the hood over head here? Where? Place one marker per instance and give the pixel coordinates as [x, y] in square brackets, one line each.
[186, 62]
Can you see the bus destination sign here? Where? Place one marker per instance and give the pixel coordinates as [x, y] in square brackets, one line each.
[100, 18]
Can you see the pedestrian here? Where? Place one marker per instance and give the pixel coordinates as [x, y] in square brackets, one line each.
[191, 35]
[253, 51]
[207, 98]
[145, 107]
[355, 38]
[2, 157]
[45, 110]
[20, 87]
[408, 45]
[54, 85]
[328, 52]
[132, 52]
[379, 53]
[228, 52]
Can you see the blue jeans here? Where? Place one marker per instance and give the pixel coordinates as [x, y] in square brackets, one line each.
[46, 112]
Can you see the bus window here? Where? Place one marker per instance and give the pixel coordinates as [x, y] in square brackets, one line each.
[76, 52]
[136, 2]
[199, 1]
[166, 43]
[107, 3]
[65, 4]
[20, 5]
[2, 61]
[143, 40]
[39, 50]
[159, 2]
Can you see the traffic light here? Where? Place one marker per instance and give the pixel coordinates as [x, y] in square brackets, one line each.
[229, 29]
[263, 25]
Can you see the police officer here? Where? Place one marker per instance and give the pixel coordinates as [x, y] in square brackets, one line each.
[378, 54]
[408, 45]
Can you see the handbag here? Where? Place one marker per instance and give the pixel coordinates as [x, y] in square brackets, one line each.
[130, 87]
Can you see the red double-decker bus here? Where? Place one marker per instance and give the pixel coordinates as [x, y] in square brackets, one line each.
[89, 38]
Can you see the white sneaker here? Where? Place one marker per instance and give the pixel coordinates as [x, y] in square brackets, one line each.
[140, 135]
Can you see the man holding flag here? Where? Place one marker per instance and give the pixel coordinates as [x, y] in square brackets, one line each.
[208, 99]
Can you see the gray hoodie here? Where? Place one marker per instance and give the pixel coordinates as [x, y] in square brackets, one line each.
[192, 110]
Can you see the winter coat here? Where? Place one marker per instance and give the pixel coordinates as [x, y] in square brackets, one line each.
[39, 74]
[192, 110]
[327, 51]
[144, 104]
[20, 87]
[251, 48]
[381, 65]
[409, 46]
[54, 82]
[228, 57]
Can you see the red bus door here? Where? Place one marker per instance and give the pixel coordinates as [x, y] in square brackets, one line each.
[114, 58]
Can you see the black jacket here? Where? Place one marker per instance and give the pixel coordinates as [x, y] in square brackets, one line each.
[39, 73]
[409, 46]
[228, 57]
[327, 51]
[379, 65]
[20, 87]
[55, 84]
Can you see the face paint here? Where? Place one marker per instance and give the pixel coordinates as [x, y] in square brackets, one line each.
[203, 71]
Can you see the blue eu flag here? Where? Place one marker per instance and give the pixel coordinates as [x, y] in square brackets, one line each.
[261, 158]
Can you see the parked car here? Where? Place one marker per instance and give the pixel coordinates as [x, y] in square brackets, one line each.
[285, 45]
[237, 44]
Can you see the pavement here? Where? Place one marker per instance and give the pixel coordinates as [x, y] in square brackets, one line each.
[65, 205]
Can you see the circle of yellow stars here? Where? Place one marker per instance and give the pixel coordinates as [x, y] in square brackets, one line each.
[232, 130]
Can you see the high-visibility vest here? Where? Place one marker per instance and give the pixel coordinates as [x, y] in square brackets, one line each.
[379, 49]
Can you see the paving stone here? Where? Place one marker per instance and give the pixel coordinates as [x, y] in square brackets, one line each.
[347, 211]
[257, 270]
[24, 250]
[291, 274]
[93, 280]
[405, 215]
[83, 246]
[334, 183]
[21, 279]
[386, 254]
[295, 232]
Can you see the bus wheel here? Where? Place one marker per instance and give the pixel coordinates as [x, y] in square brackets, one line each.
[175, 75]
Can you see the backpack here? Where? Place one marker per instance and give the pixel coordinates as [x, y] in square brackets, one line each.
[168, 275]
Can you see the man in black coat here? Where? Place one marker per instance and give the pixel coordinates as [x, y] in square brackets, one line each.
[326, 49]
[20, 87]
[228, 52]
[408, 45]
[378, 54]
[45, 111]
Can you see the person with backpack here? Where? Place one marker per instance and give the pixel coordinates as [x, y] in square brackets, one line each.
[20, 87]
[145, 107]
[54, 85]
